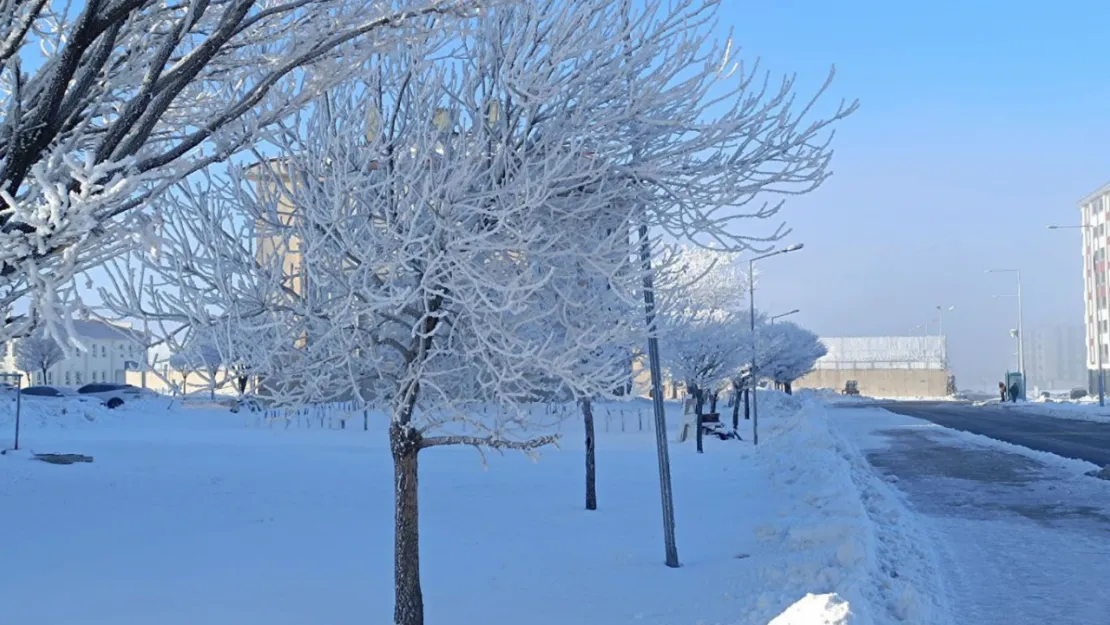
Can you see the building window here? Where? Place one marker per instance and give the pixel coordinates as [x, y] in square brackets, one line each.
[67, 378]
[103, 351]
[49, 378]
[77, 378]
[92, 377]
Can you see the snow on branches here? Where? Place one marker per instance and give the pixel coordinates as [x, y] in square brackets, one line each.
[107, 104]
[787, 351]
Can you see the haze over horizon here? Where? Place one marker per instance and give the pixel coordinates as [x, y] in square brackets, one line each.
[977, 129]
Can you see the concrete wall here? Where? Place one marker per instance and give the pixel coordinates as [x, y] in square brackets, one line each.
[881, 382]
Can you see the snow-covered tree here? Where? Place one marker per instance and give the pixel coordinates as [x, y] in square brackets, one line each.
[108, 103]
[788, 351]
[416, 233]
[703, 349]
[38, 353]
[202, 358]
[709, 279]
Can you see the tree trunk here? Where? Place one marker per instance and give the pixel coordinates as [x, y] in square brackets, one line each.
[747, 404]
[736, 408]
[44, 376]
[713, 402]
[699, 405]
[408, 602]
[591, 467]
[786, 386]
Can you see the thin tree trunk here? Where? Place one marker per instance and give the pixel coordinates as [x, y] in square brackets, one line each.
[736, 408]
[786, 386]
[699, 406]
[408, 606]
[747, 404]
[713, 402]
[591, 466]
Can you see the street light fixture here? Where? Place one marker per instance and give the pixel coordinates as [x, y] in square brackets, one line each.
[785, 314]
[751, 302]
[1021, 327]
[1094, 289]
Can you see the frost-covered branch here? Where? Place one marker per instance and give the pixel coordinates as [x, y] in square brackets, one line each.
[127, 98]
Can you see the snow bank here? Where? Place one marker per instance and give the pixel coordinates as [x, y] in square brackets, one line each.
[844, 531]
[1079, 411]
[52, 413]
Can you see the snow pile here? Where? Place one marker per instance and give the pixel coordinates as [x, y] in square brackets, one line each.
[815, 610]
[840, 531]
[54, 413]
[1080, 411]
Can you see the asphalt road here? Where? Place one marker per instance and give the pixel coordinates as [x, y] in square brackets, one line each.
[1083, 440]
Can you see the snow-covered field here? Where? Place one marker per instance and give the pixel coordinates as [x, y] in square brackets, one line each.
[191, 515]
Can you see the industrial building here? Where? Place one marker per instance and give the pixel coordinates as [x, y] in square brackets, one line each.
[883, 366]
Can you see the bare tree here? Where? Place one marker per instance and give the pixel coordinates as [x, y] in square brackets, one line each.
[127, 97]
[38, 353]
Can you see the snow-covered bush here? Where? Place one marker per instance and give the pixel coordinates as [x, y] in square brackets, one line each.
[787, 351]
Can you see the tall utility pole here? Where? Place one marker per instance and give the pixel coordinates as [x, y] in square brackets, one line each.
[1021, 323]
[755, 344]
[670, 544]
[1090, 229]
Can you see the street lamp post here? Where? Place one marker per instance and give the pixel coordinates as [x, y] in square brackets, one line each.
[940, 332]
[785, 314]
[1020, 328]
[751, 302]
[940, 311]
[1094, 289]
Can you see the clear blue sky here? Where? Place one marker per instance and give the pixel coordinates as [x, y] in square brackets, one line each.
[981, 122]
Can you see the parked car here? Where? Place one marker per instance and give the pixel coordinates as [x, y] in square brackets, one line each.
[851, 387]
[46, 391]
[114, 395]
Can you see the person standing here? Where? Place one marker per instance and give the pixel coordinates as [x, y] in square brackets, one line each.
[1002, 391]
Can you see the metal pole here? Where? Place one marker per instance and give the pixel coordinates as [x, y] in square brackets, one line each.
[1098, 326]
[18, 406]
[1021, 335]
[665, 492]
[754, 376]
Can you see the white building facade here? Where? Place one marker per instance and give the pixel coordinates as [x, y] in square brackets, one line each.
[111, 352]
[1096, 317]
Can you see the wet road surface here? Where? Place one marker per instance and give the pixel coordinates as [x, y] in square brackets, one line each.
[1082, 440]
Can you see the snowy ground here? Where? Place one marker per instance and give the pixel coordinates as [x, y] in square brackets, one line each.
[1020, 536]
[193, 515]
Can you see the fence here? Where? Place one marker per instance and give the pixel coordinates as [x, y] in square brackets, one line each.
[352, 416]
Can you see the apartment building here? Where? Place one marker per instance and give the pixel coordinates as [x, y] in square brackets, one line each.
[1093, 210]
[112, 351]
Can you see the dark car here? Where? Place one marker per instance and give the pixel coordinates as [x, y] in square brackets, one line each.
[113, 395]
[45, 391]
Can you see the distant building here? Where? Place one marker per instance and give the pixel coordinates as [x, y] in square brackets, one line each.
[1055, 357]
[1096, 317]
[883, 366]
[112, 351]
